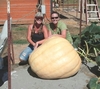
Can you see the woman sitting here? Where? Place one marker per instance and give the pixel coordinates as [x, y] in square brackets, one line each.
[36, 34]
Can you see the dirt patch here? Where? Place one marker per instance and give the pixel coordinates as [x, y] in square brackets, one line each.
[17, 48]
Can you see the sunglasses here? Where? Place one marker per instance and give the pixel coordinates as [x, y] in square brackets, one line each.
[39, 18]
[54, 17]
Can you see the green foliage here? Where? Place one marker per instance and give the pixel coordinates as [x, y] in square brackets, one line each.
[97, 59]
[92, 35]
[88, 43]
[94, 83]
[76, 41]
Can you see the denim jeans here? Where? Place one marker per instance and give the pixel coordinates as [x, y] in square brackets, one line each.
[26, 52]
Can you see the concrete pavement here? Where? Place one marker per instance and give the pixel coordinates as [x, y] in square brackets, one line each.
[23, 78]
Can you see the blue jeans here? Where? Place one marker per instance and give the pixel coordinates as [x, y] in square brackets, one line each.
[25, 53]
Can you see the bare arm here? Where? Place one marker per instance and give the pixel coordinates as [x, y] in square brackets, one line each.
[63, 33]
[50, 34]
[29, 35]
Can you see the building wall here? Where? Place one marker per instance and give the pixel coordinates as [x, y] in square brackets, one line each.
[21, 11]
[48, 9]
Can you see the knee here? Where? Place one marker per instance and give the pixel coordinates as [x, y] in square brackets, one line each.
[23, 57]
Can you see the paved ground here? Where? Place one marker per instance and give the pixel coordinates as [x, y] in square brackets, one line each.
[23, 78]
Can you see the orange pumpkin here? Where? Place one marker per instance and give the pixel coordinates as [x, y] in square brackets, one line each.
[55, 58]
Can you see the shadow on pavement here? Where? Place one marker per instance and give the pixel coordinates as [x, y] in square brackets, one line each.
[95, 70]
[32, 73]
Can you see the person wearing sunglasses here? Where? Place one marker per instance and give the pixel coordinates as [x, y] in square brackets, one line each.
[58, 27]
[36, 35]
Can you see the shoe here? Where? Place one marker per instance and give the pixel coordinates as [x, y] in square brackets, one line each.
[22, 62]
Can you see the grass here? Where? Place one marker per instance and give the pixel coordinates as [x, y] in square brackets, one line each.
[19, 33]
[20, 41]
[20, 28]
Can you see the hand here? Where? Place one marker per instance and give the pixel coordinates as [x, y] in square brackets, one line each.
[36, 45]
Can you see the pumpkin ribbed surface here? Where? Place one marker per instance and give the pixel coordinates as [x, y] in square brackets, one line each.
[55, 58]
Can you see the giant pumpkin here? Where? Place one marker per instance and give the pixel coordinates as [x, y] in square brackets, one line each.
[55, 58]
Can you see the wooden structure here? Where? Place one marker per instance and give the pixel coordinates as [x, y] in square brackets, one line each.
[90, 9]
[22, 11]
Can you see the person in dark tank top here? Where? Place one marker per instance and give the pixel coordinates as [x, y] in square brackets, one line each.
[36, 35]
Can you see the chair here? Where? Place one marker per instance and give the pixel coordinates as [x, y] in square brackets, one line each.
[4, 36]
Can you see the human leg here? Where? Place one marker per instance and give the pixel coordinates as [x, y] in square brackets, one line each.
[25, 53]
